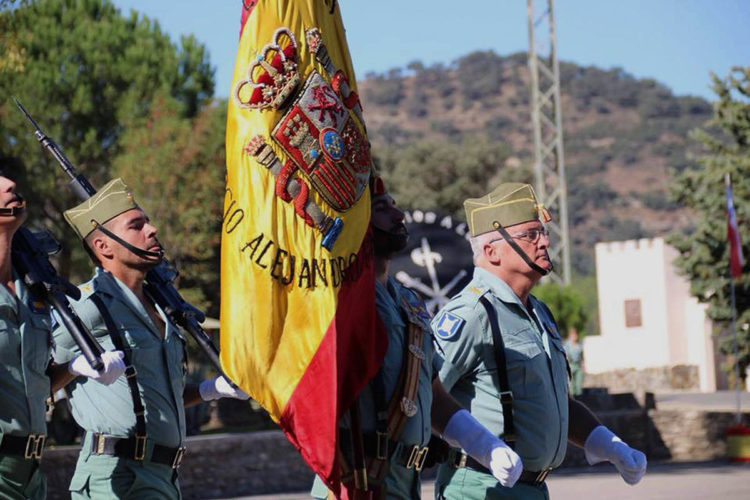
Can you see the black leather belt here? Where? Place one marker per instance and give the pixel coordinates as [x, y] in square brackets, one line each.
[28, 447]
[135, 448]
[461, 460]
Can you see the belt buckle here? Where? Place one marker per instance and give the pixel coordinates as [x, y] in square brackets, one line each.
[421, 457]
[99, 442]
[417, 457]
[506, 397]
[34, 446]
[381, 450]
[542, 475]
[140, 448]
[178, 457]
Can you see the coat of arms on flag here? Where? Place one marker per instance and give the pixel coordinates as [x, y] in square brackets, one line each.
[299, 331]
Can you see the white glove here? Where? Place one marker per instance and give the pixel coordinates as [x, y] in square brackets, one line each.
[114, 366]
[602, 444]
[219, 387]
[464, 431]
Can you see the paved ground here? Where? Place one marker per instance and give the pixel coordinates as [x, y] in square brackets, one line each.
[664, 481]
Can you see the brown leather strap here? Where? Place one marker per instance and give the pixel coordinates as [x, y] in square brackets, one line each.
[403, 401]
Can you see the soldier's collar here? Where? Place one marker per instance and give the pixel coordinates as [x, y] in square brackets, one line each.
[499, 288]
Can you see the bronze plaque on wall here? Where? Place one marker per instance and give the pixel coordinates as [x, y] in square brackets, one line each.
[633, 313]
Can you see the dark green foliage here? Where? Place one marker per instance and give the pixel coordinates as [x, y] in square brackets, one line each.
[567, 306]
[386, 90]
[704, 251]
[88, 74]
[430, 175]
[480, 75]
[177, 168]
[656, 200]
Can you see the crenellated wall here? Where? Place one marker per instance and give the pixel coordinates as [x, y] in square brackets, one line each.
[647, 317]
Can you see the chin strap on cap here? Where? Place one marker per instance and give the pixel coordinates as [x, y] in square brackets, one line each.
[13, 211]
[507, 237]
[146, 254]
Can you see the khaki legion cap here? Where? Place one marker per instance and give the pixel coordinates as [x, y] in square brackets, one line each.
[110, 201]
[510, 203]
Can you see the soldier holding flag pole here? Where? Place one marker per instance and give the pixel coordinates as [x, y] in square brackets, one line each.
[405, 402]
[299, 330]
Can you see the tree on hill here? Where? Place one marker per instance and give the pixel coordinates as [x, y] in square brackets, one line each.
[704, 251]
[176, 167]
[86, 72]
[441, 175]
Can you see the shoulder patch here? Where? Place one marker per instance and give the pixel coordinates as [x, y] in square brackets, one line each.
[37, 306]
[448, 325]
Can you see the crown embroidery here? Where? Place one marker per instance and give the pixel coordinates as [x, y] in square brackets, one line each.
[273, 76]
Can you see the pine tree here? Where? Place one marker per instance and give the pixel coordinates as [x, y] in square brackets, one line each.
[704, 250]
[87, 72]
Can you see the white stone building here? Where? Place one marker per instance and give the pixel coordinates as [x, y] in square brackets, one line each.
[648, 319]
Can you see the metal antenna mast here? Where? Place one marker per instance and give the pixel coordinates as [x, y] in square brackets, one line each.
[546, 119]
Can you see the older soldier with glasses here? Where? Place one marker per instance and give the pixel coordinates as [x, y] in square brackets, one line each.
[505, 361]
[395, 442]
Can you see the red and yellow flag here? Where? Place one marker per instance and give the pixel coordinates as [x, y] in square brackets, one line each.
[299, 331]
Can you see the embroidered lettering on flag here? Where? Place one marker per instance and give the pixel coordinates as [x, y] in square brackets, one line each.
[299, 331]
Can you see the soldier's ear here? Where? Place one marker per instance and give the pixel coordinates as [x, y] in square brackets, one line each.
[492, 253]
[101, 245]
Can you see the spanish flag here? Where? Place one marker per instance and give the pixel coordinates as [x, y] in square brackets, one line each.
[299, 331]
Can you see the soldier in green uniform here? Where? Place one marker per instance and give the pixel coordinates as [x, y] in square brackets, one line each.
[574, 351]
[26, 374]
[505, 361]
[406, 392]
[135, 429]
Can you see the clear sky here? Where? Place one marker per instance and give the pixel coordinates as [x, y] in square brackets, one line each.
[677, 42]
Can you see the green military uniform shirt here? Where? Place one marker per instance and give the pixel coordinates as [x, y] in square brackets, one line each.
[25, 352]
[535, 360]
[397, 305]
[160, 366]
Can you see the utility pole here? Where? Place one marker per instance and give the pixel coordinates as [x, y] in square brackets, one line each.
[546, 119]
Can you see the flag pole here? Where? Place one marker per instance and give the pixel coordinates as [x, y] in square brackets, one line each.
[735, 351]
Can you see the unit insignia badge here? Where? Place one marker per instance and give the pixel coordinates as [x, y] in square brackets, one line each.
[448, 325]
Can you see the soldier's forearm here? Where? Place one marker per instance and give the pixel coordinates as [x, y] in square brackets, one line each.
[59, 376]
[443, 406]
[581, 422]
[191, 396]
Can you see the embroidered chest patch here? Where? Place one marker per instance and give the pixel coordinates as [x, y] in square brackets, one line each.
[416, 310]
[448, 325]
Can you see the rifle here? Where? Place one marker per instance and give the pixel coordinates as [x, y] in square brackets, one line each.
[159, 280]
[29, 254]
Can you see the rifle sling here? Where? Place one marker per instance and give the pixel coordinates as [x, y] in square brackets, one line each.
[130, 371]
